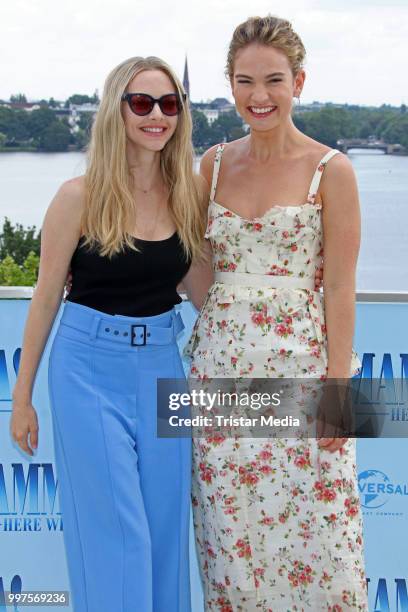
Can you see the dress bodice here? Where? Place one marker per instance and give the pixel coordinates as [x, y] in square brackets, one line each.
[285, 241]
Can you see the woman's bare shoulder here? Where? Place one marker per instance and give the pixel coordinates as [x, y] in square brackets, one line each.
[207, 161]
[73, 189]
[207, 164]
[68, 204]
[232, 151]
[338, 169]
[316, 150]
[71, 194]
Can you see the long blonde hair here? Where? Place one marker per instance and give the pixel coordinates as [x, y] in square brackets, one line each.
[110, 205]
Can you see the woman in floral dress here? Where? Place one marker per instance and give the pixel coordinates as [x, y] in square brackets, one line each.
[278, 523]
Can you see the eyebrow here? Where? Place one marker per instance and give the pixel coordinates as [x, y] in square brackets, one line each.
[268, 76]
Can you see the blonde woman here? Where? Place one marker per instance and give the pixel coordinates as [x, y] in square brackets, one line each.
[128, 229]
[278, 522]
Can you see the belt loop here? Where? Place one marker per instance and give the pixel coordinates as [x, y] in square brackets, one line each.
[94, 327]
[178, 324]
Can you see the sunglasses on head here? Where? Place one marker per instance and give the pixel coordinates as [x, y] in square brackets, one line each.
[143, 104]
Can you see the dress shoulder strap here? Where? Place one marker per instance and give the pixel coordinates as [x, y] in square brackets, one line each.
[216, 169]
[314, 185]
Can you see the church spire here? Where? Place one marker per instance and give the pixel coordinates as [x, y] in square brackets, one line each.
[186, 80]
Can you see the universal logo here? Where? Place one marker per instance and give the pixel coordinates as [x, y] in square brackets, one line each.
[376, 489]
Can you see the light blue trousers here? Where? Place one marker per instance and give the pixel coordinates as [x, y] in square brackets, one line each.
[124, 493]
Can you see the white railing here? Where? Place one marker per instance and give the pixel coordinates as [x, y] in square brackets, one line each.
[26, 293]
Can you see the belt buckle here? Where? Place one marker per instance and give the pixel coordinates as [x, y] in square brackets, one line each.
[133, 335]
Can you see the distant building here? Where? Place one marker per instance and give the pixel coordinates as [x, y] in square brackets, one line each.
[305, 108]
[223, 105]
[213, 108]
[186, 80]
[27, 106]
[88, 107]
[76, 110]
[211, 113]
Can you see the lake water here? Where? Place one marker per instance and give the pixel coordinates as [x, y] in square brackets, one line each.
[29, 181]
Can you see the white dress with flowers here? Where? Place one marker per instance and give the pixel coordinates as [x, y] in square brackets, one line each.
[278, 523]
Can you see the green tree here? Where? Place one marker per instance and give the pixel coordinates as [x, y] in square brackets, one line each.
[39, 120]
[13, 275]
[18, 242]
[328, 125]
[396, 132]
[56, 137]
[81, 139]
[14, 124]
[18, 98]
[3, 139]
[226, 125]
[85, 122]
[201, 129]
[30, 269]
[10, 273]
[82, 99]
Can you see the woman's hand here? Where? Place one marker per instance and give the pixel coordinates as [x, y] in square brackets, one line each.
[319, 278]
[68, 285]
[23, 423]
[334, 415]
[331, 444]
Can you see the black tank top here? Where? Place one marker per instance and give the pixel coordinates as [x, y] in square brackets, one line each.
[131, 283]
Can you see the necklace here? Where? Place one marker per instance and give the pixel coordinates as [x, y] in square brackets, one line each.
[151, 188]
[143, 190]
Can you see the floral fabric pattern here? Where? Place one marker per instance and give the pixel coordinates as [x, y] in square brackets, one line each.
[278, 523]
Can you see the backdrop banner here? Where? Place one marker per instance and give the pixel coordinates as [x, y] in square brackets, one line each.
[31, 524]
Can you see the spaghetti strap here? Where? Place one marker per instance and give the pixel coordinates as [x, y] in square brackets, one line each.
[314, 185]
[216, 169]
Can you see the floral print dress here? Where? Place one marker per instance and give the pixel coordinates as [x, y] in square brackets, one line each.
[277, 521]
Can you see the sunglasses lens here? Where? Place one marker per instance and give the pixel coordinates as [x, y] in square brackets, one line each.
[141, 105]
[170, 105]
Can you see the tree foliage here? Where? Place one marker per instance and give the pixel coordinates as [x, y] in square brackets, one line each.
[56, 137]
[227, 127]
[328, 125]
[332, 123]
[82, 99]
[13, 275]
[19, 255]
[19, 98]
[17, 242]
[42, 129]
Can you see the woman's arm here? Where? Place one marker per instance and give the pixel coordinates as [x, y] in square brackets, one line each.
[341, 231]
[200, 276]
[59, 237]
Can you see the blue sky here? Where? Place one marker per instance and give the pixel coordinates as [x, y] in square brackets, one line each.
[356, 49]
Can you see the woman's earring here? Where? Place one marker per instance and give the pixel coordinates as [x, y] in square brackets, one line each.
[298, 100]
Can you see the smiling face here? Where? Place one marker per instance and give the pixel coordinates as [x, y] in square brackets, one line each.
[154, 130]
[263, 86]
